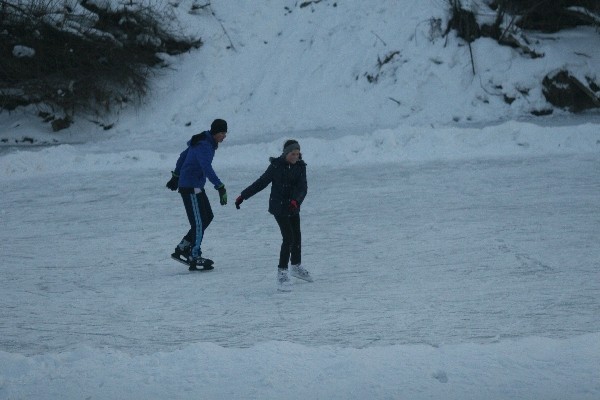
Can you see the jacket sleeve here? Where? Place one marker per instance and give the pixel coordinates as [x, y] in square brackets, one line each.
[205, 155]
[300, 190]
[259, 184]
[180, 161]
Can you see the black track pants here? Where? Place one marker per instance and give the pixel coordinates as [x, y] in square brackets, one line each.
[200, 215]
[291, 242]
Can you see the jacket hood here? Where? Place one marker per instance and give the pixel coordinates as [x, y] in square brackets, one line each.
[199, 137]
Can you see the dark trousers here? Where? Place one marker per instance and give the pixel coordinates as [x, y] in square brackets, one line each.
[291, 242]
[200, 215]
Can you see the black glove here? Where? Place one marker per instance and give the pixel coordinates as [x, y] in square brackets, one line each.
[173, 183]
[238, 201]
[222, 194]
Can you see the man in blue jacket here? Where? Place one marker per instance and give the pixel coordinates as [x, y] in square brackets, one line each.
[193, 167]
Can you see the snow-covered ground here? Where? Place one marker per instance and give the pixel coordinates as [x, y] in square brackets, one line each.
[453, 241]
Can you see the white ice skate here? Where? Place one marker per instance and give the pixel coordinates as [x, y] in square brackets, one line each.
[284, 283]
[300, 272]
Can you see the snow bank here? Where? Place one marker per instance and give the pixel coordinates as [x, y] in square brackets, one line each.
[404, 144]
[532, 368]
[65, 159]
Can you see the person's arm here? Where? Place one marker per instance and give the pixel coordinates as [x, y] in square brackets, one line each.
[258, 185]
[173, 183]
[205, 156]
[180, 161]
[300, 190]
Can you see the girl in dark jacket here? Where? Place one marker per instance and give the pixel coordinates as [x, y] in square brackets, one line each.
[287, 176]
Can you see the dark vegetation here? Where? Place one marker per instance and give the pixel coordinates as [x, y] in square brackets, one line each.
[80, 58]
[514, 18]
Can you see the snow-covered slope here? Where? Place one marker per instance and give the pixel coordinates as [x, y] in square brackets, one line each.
[278, 66]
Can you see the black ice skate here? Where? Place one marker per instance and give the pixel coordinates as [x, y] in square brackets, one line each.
[200, 264]
[181, 254]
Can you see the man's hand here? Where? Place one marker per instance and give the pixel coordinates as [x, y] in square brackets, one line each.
[222, 194]
[173, 183]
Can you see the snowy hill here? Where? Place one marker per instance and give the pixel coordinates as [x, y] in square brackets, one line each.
[276, 66]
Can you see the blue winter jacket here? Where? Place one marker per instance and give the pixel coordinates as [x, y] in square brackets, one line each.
[195, 163]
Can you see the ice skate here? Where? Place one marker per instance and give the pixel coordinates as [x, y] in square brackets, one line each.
[200, 264]
[284, 283]
[182, 252]
[298, 271]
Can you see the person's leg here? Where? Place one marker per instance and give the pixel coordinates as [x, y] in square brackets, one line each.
[296, 243]
[283, 279]
[297, 270]
[190, 237]
[287, 237]
[205, 210]
[206, 217]
[195, 217]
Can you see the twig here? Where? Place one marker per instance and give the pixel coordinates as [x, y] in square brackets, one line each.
[377, 36]
[209, 5]
[472, 62]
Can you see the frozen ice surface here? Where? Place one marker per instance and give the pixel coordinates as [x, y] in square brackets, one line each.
[433, 253]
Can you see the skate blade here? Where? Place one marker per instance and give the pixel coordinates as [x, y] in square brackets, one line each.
[205, 269]
[184, 261]
[304, 278]
[174, 257]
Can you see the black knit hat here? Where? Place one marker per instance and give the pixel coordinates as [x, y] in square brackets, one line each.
[218, 126]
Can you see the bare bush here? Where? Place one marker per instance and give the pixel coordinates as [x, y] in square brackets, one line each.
[74, 56]
[513, 19]
[547, 15]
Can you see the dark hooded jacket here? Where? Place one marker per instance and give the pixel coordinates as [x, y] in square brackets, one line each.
[288, 182]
